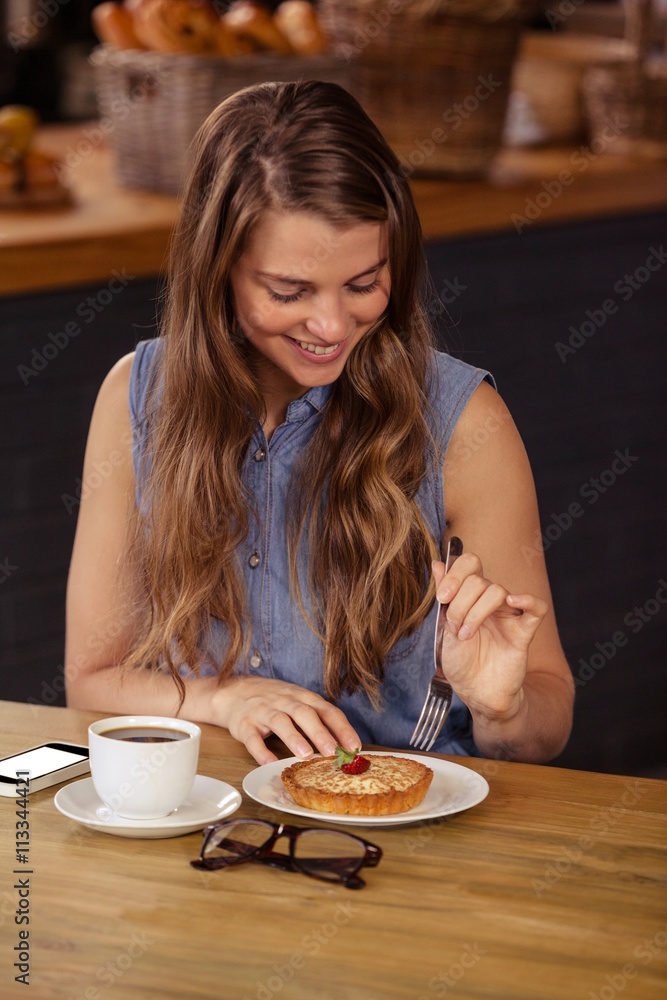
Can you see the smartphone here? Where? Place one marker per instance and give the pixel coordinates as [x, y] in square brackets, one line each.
[48, 764]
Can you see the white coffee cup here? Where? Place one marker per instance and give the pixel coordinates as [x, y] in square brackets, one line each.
[143, 766]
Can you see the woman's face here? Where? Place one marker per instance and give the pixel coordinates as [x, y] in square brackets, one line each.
[304, 293]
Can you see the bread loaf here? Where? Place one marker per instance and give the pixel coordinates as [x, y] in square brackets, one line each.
[113, 24]
[298, 22]
[187, 26]
[254, 23]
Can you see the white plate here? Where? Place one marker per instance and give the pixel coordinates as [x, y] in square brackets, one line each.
[209, 801]
[453, 789]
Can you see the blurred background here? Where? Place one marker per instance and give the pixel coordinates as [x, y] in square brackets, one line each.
[535, 138]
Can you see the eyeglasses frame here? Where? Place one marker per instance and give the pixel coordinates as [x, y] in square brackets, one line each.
[286, 862]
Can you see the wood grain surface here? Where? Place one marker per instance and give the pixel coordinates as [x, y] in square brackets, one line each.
[108, 226]
[553, 887]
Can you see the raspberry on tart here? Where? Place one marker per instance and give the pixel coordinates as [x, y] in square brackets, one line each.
[351, 761]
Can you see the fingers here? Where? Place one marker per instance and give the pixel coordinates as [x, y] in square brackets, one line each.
[302, 730]
[477, 599]
[303, 721]
[533, 609]
[256, 746]
[464, 566]
[472, 599]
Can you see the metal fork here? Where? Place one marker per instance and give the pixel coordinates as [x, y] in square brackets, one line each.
[439, 697]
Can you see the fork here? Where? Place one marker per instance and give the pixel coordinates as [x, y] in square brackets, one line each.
[439, 696]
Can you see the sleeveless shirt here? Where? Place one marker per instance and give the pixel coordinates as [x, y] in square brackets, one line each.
[282, 644]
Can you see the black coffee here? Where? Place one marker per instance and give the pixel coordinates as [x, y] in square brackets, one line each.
[146, 735]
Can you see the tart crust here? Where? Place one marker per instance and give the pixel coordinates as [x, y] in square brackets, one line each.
[390, 785]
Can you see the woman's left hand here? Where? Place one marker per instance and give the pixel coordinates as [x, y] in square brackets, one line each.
[485, 644]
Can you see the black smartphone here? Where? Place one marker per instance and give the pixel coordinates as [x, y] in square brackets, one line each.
[44, 765]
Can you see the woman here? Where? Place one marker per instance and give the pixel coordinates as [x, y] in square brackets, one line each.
[261, 556]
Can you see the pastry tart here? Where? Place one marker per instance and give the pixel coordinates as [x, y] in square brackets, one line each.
[389, 785]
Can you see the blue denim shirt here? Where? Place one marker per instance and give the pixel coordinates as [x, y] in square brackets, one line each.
[282, 644]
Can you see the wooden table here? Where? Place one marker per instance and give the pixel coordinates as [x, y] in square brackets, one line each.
[108, 227]
[553, 887]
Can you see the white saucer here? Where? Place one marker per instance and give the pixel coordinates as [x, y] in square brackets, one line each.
[453, 789]
[209, 801]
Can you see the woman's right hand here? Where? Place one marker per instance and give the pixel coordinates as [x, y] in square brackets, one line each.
[253, 708]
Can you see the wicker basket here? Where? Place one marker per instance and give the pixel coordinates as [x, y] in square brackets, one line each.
[434, 75]
[636, 98]
[155, 103]
[627, 105]
[549, 71]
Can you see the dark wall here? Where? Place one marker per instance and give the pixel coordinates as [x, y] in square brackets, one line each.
[48, 384]
[511, 299]
[578, 409]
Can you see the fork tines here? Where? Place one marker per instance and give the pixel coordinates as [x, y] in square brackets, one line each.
[434, 713]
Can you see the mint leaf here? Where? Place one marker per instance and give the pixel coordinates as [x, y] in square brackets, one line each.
[345, 756]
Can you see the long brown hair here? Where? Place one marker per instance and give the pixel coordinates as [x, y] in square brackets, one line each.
[291, 147]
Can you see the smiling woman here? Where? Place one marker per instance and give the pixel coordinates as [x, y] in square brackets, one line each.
[265, 547]
[302, 330]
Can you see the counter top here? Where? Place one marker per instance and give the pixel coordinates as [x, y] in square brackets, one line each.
[109, 227]
[551, 888]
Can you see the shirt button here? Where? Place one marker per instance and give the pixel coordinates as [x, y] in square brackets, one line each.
[253, 561]
[259, 455]
[256, 660]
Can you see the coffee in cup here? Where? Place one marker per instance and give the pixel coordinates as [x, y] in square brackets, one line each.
[143, 766]
[145, 734]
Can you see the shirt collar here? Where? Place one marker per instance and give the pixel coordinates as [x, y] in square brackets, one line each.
[314, 400]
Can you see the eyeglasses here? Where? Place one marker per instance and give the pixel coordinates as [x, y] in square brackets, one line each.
[328, 855]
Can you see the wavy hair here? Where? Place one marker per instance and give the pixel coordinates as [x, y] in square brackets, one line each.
[304, 147]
